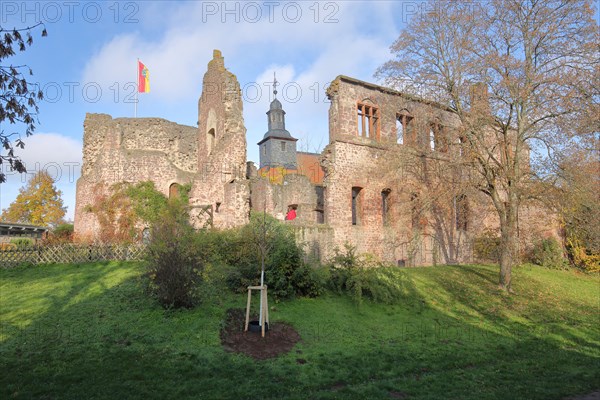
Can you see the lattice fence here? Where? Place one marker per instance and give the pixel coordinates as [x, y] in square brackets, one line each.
[71, 253]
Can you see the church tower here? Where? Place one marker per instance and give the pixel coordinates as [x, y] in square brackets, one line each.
[278, 147]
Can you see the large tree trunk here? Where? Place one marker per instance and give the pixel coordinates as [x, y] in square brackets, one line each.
[509, 248]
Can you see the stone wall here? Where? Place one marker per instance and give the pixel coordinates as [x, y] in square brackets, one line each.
[220, 183]
[378, 166]
[130, 150]
[404, 192]
[295, 191]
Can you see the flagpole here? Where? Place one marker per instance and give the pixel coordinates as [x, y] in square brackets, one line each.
[137, 88]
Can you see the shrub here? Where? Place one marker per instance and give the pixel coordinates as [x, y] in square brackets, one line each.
[63, 233]
[22, 243]
[341, 267]
[548, 253]
[581, 256]
[173, 262]
[286, 274]
[363, 276]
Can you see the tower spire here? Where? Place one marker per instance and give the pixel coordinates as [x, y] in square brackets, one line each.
[278, 147]
[275, 85]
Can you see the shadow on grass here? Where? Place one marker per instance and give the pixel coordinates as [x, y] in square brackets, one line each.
[102, 338]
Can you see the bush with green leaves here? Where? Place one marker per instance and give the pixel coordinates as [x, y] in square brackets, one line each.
[286, 274]
[548, 253]
[174, 263]
[64, 231]
[363, 276]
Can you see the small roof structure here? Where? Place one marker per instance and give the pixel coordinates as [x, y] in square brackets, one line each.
[21, 230]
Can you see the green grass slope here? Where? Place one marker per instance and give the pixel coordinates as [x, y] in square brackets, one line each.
[90, 331]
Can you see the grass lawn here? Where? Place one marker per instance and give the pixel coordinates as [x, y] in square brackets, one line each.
[90, 332]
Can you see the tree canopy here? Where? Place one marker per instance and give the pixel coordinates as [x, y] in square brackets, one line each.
[18, 97]
[38, 203]
[523, 77]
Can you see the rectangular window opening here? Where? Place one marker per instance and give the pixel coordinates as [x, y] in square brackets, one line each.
[437, 138]
[404, 129]
[367, 123]
[385, 206]
[356, 205]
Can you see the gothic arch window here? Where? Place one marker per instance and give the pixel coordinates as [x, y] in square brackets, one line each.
[404, 127]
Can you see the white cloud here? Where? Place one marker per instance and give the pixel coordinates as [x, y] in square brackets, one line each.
[57, 154]
[178, 40]
[177, 57]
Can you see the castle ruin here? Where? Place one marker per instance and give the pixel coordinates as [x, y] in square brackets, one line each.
[387, 183]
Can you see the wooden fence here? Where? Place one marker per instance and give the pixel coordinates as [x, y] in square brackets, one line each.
[71, 253]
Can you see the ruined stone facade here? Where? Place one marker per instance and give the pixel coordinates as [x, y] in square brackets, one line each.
[385, 183]
[131, 150]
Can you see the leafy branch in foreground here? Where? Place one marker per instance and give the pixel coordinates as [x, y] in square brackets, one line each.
[18, 97]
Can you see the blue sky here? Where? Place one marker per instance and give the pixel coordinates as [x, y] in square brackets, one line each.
[88, 64]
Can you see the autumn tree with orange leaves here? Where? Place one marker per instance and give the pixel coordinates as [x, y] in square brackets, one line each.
[38, 203]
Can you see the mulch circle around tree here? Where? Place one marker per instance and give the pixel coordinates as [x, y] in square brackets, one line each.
[280, 338]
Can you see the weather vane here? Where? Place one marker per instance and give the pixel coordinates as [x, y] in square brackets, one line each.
[274, 84]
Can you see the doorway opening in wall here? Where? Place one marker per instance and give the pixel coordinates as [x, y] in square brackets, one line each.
[217, 206]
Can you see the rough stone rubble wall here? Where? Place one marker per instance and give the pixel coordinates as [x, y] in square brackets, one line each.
[213, 158]
[130, 150]
[378, 164]
[220, 184]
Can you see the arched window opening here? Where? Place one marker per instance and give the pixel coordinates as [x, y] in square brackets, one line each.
[173, 190]
[210, 140]
[404, 128]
